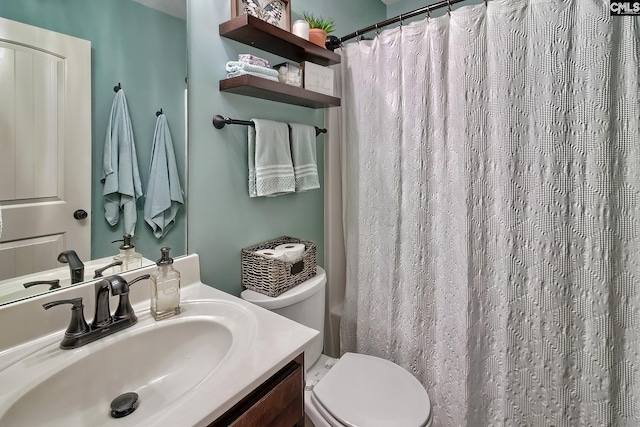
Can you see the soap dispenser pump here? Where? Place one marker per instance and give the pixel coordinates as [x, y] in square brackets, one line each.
[128, 255]
[165, 288]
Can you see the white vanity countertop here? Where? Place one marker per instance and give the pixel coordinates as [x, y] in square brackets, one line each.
[276, 342]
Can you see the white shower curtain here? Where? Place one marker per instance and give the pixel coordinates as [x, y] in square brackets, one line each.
[492, 211]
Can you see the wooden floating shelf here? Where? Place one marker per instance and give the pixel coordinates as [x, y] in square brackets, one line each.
[258, 87]
[254, 32]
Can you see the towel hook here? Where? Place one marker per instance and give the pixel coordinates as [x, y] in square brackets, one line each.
[159, 112]
[117, 88]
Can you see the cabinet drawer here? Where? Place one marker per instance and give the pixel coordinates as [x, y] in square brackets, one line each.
[278, 402]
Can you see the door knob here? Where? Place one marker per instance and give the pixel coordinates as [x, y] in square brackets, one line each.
[80, 214]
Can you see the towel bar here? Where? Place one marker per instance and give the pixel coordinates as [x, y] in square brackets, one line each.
[219, 122]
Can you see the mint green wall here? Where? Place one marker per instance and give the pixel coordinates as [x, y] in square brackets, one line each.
[143, 49]
[405, 6]
[222, 217]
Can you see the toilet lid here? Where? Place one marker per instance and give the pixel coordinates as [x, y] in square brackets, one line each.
[366, 391]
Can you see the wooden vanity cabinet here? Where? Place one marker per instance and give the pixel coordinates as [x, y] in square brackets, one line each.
[278, 402]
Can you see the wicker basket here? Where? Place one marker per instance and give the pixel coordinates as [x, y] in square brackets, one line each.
[272, 276]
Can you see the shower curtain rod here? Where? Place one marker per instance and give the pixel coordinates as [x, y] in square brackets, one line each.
[335, 42]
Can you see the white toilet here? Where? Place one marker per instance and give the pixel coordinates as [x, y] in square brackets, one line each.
[355, 390]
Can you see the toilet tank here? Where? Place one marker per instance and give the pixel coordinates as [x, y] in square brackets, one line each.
[304, 303]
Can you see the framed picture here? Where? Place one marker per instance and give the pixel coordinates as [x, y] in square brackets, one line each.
[275, 12]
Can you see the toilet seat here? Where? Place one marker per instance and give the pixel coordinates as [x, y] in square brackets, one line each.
[367, 391]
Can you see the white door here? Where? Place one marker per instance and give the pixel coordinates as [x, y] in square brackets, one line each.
[45, 147]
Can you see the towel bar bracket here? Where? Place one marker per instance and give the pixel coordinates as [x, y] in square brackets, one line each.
[219, 122]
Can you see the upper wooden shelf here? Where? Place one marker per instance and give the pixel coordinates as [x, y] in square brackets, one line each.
[254, 32]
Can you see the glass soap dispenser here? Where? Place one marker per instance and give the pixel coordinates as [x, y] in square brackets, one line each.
[128, 255]
[165, 288]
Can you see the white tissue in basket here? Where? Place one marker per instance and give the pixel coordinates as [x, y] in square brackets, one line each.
[271, 254]
[292, 251]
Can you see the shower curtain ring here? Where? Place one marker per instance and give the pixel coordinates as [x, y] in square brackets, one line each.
[357, 37]
[401, 20]
[449, 7]
[486, 3]
[377, 30]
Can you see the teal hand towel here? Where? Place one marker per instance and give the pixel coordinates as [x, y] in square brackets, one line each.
[120, 175]
[270, 166]
[164, 193]
[303, 154]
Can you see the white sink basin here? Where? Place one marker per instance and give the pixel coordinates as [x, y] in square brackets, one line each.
[164, 362]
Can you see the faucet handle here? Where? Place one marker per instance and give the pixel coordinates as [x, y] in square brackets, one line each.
[77, 325]
[76, 302]
[124, 310]
[98, 272]
[54, 284]
[120, 286]
[139, 278]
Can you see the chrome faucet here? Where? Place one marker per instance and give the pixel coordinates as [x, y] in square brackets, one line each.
[79, 333]
[75, 265]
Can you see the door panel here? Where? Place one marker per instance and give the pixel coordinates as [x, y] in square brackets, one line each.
[45, 138]
[21, 257]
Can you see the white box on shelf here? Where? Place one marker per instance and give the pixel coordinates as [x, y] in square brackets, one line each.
[318, 78]
[289, 73]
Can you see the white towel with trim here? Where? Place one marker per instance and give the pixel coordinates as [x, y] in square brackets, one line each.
[270, 166]
[303, 154]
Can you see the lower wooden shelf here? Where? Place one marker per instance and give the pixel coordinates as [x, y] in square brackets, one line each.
[258, 87]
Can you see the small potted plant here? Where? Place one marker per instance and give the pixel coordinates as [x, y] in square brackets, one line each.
[319, 27]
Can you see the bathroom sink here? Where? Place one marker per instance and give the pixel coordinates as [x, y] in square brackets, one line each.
[164, 362]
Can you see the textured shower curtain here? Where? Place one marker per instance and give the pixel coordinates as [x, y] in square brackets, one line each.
[492, 211]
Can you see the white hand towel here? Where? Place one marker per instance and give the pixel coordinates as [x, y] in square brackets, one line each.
[270, 167]
[303, 153]
[235, 66]
[120, 175]
[164, 193]
[251, 73]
